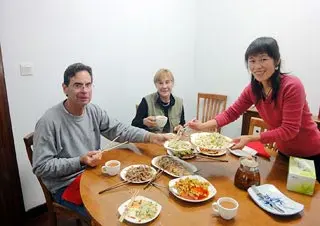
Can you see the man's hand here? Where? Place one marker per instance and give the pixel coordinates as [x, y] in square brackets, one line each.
[92, 158]
[150, 121]
[243, 140]
[160, 138]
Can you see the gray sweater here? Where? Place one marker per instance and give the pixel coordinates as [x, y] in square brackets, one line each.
[61, 138]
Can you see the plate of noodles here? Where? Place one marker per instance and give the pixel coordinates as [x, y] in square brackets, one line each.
[211, 141]
[138, 173]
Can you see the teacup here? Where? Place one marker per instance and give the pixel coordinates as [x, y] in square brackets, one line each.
[111, 167]
[225, 207]
[161, 120]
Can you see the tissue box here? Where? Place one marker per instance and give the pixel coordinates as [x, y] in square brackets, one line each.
[301, 175]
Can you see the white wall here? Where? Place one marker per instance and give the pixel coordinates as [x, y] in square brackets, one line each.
[224, 29]
[124, 41]
[202, 42]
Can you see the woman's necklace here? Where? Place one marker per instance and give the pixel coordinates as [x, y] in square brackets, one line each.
[266, 94]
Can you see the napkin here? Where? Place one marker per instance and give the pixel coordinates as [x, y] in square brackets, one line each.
[72, 192]
[259, 147]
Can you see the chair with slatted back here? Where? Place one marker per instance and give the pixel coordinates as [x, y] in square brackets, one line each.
[54, 208]
[257, 125]
[210, 105]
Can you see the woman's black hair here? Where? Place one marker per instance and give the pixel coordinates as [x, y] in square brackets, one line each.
[269, 46]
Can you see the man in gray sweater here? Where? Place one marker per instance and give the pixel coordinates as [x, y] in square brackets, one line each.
[67, 136]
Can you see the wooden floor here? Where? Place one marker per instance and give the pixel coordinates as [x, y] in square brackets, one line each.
[42, 220]
[38, 216]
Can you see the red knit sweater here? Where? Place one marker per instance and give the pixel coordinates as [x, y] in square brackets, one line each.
[289, 121]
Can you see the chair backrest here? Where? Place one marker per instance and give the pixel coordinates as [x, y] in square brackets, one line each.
[28, 141]
[257, 125]
[209, 105]
[53, 207]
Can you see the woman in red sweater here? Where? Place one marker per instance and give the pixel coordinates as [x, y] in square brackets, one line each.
[281, 102]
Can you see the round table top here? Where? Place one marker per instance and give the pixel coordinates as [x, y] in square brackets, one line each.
[103, 207]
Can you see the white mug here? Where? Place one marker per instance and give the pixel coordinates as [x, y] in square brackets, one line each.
[111, 167]
[225, 207]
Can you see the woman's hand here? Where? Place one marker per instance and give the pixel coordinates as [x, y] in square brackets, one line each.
[150, 121]
[177, 128]
[243, 140]
[198, 125]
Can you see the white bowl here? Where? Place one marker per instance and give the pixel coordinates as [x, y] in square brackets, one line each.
[111, 167]
[161, 120]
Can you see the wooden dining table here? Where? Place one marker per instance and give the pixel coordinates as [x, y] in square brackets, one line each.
[103, 208]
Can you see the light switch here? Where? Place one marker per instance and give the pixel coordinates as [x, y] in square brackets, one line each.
[26, 69]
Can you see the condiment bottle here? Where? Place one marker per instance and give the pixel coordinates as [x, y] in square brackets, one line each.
[248, 173]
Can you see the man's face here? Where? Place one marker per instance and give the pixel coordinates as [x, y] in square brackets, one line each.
[79, 90]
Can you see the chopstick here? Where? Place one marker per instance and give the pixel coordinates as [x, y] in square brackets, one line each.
[126, 210]
[111, 142]
[156, 176]
[212, 159]
[114, 186]
[108, 149]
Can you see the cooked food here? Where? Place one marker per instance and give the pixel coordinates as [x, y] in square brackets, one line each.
[179, 145]
[184, 154]
[141, 210]
[173, 166]
[209, 151]
[211, 141]
[139, 173]
[192, 188]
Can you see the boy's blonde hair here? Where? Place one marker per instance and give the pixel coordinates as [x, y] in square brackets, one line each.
[162, 73]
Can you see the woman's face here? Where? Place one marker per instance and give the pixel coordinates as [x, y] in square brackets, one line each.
[261, 66]
[164, 86]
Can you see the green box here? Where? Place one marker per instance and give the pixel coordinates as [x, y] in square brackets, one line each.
[301, 175]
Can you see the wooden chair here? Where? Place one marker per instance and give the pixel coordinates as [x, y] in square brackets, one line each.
[257, 125]
[210, 105]
[54, 208]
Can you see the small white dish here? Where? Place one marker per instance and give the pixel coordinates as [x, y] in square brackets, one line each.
[111, 167]
[272, 194]
[189, 167]
[245, 152]
[211, 189]
[125, 170]
[131, 216]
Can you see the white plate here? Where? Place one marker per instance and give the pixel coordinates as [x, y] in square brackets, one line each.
[128, 217]
[124, 172]
[191, 168]
[211, 189]
[245, 152]
[184, 157]
[219, 152]
[273, 195]
[166, 146]
[196, 136]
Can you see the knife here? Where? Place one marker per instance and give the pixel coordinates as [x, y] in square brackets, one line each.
[261, 196]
